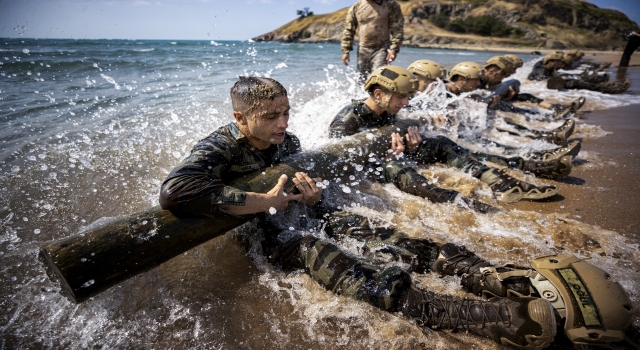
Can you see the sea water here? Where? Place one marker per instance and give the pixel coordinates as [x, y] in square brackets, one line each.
[90, 129]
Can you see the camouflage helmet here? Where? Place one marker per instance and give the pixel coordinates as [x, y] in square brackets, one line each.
[393, 78]
[517, 62]
[467, 69]
[501, 62]
[555, 56]
[428, 69]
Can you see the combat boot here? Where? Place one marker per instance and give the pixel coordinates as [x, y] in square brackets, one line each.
[479, 276]
[526, 323]
[572, 149]
[559, 135]
[617, 87]
[507, 189]
[559, 108]
[552, 169]
[577, 104]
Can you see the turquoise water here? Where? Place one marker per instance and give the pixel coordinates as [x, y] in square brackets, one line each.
[90, 128]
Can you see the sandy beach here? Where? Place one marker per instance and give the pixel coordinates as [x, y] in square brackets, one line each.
[607, 195]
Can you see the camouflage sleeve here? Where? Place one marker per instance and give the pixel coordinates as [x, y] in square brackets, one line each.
[345, 123]
[350, 25]
[195, 186]
[537, 73]
[396, 26]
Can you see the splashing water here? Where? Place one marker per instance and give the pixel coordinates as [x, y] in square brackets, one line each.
[90, 129]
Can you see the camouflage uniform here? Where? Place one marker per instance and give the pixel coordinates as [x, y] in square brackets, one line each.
[196, 187]
[381, 29]
[358, 116]
[540, 72]
[369, 279]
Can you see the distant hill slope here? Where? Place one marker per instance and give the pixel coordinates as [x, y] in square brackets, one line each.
[550, 24]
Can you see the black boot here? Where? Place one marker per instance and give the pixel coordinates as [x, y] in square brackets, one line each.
[479, 276]
[526, 323]
[572, 149]
[558, 135]
[552, 169]
[507, 189]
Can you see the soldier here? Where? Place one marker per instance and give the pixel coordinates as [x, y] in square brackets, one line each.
[632, 45]
[257, 139]
[525, 97]
[546, 70]
[389, 88]
[426, 71]
[380, 25]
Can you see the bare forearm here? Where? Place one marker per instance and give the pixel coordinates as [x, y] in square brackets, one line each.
[254, 203]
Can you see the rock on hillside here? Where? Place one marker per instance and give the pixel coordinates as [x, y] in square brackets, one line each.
[551, 24]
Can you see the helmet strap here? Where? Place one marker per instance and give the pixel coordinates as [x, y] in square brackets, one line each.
[384, 106]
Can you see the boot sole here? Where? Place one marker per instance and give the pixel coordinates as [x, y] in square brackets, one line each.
[540, 311]
[515, 195]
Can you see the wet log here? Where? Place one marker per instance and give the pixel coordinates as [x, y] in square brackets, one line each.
[106, 254]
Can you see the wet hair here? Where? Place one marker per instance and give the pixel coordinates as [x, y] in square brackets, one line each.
[373, 88]
[249, 92]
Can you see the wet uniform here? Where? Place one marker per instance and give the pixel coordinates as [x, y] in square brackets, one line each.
[358, 116]
[540, 72]
[381, 27]
[196, 187]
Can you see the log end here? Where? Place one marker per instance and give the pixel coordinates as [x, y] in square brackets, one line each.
[56, 276]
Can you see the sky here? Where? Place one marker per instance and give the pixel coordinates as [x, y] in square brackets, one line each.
[174, 19]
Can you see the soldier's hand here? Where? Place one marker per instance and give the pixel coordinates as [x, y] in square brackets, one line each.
[278, 199]
[391, 56]
[494, 101]
[512, 93]
[413, 139]
[397, 147]
[439, 121]
[311, 192]
[346, 59]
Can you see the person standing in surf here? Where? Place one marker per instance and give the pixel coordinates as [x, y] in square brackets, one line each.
[380, 26]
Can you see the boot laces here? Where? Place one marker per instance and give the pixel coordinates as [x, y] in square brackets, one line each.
[448, 313]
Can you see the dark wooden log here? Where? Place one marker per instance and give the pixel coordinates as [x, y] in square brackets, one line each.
[102, 256]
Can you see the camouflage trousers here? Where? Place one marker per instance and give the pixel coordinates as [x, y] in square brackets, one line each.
[370, 58]
[442, 150]
[367, 277]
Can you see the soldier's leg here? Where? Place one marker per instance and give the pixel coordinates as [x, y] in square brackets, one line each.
[379, 57]
[418, 253]
[365, 55]
[408, 180]
[344, 275]
[505, 188]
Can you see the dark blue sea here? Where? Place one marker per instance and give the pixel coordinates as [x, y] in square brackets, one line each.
[89, 129]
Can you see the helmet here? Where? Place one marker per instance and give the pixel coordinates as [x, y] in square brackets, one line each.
[557, 56]
[517, 62]
[567, 58]
[469, 70]
[428, 69]
[501, 62]
[393, 78]
[596, 308]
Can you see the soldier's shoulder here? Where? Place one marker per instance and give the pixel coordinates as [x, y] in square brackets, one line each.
[221, 138]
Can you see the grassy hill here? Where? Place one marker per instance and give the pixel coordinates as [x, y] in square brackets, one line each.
[477, 24]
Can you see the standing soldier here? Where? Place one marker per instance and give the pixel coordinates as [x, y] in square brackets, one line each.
[381, 32]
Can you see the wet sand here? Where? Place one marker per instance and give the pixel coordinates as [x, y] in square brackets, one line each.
[606, 194]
